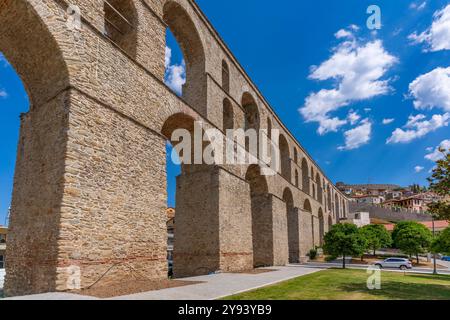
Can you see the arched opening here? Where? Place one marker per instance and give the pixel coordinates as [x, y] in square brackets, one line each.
[192, 223]
[193, 89]
[252, 124]
[33, 83]
[296, 178]
[319, 189]
[329, 198]
[344, 209]
[225, 77]
[295, 155]
[330, 222]
[313, 191]
[121, 24]
[293, 227]
[285, 161]
[305, 177]
[321, 226]
[228, 115]
[262, 236]
[336, 210]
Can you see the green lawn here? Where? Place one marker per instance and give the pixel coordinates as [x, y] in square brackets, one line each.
[338, 284]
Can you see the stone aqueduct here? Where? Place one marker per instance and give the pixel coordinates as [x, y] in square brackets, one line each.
[90, 193]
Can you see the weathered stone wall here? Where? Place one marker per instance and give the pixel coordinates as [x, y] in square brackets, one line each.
[35, 221]
[197, 237]
[280, 232]
[90, 185]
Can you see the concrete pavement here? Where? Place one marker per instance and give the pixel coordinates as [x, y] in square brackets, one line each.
[212, 287]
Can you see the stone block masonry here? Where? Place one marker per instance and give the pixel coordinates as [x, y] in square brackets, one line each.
[90, 197]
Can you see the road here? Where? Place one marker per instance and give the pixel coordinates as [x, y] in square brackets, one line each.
[365, 266]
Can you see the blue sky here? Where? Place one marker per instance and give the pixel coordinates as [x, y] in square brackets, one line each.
[330, 79]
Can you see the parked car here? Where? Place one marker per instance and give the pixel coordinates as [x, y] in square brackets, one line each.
[445, 258]
[396, 263]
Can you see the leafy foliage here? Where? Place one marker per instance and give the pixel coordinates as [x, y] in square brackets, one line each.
[412, 238]
[376, 236]
[440, 184]
[442, 243]
[344, 239]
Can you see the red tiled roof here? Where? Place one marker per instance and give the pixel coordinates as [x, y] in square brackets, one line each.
[441, 224]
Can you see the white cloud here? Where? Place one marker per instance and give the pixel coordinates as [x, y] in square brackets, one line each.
[357, 69]
[418, 6]
[168, 57]
[343, 34]
[367, 109]
[353, 117]
[357, 137]
[432, 90]
[418, 169]
[436, 37]
[435, 154]
[417, 127]
[175, 76]
[3, 93]
[388, 121]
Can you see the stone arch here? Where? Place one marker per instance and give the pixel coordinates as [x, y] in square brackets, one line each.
[36, 55]
[305, 177]
[293, 227]
[285, 161]
[252, 121]
[295, 155]
[228, 115]
[329, 198]
[225, 77]
[252, 118]
[307, 206]
[28, 43]
[321, 226]
[187, 36]
[336, 203]
[319, 188]
[344, 209]
[121, 24]
[262, 231]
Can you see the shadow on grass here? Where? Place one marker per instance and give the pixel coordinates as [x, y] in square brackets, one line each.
[393, 290]
[442, 277]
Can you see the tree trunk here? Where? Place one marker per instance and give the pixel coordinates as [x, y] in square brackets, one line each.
[374, 252]
[417, 256]
[343, 261]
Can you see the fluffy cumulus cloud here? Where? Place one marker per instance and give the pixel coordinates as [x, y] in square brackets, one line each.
[417, 127]
[388, 121]
[436, 154]
[353, 117]
[358, 69]
[175, 76]
[432, 90]
[418, 169]
[436, 37]
[357, 137]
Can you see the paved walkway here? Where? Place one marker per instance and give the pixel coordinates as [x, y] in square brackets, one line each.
[213, 287]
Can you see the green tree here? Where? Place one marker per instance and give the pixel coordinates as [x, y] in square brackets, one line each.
[376, 236]
[344, 240]
[399, 226]
[413, 238]
[440, 184]
[442, 243]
